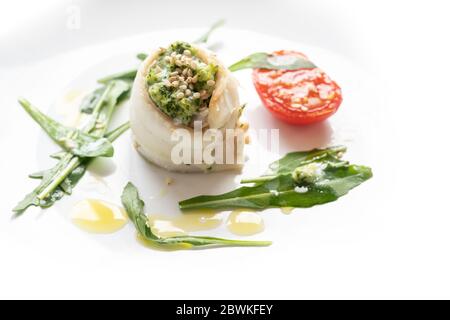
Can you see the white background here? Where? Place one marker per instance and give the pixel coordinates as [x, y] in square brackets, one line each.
[401, 253]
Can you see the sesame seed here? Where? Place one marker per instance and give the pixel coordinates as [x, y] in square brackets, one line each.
[189, 80]
[167, 83]
[189, 72]
[167, 59]
[175, 84]
[194, 79]
[175, 73]
[210, 83]
[180, 95]
[173, 54]
[185, 72]
[178, 63]
[191, 86]
[196, 95]
[188, 92]
[183, 87]
[187, 53]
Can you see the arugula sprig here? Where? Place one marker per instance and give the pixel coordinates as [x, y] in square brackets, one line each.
[262, 60]
[134, 206]
[299, 180]
[64, 176]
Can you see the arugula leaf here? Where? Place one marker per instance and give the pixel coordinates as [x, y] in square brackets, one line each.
[90, 101]
[134, 206]
[262, 60]
[128, 75]
[45, 200]
[71, 140]
[103, 110]
[204, 38]
[298, 180]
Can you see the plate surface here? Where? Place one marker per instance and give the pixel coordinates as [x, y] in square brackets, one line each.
[304, 235]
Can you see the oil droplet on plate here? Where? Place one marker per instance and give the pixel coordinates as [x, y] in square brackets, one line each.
[73, 95]
[245, 223]
[98, 216]
[287, 210]
[172, 226]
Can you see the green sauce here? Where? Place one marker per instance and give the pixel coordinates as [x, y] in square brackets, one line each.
[181, 84]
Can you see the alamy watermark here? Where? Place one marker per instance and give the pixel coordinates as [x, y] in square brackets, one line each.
[218, 146]
[73, 20]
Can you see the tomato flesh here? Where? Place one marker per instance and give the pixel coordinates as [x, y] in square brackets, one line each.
[301, 96]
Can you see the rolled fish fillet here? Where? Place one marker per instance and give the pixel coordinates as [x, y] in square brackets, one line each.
[179, 88]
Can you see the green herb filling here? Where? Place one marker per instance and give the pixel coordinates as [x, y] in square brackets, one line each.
[181, 84]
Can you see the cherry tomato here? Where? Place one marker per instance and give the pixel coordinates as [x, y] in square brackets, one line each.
[300, 96]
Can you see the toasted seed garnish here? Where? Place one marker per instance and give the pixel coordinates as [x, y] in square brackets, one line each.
[180, 95]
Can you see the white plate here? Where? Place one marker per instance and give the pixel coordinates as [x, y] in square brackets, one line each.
[295, 236]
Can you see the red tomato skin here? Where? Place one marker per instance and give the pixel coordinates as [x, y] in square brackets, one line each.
[281, 105]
